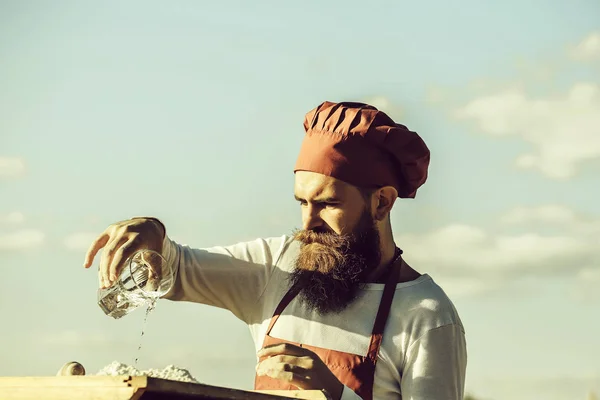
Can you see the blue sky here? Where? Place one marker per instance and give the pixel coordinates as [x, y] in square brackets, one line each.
[192, 112]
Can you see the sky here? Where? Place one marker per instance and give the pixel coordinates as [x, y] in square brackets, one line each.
[192, 112]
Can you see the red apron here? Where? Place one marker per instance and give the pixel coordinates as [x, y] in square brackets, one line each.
[356, 372]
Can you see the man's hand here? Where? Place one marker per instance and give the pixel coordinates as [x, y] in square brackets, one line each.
[120, 241]
[300, 367]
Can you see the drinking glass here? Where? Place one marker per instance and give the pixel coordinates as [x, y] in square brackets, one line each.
[145, 278]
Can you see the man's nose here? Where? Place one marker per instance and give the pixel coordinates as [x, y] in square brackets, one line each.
[311, 219]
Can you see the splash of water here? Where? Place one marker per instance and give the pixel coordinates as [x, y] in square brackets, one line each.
[151, 306]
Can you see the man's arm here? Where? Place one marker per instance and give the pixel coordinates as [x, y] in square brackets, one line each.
[435, 365]
[232, 277]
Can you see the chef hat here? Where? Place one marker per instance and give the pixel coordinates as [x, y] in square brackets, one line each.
[360, 145]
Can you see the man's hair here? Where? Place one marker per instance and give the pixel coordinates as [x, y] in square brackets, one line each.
[367, 192]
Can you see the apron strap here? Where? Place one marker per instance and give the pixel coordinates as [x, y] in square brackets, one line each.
[384, 308]
[289, 296]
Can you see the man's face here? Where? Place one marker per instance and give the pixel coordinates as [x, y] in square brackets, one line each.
[340, 242]
[328, 204]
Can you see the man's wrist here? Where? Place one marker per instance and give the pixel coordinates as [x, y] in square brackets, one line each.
[161, 227]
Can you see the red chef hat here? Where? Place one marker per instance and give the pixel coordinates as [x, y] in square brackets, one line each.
[360, 145]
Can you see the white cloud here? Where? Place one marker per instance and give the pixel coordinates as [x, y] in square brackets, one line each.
[551, 213]
[589, 275]
[11, 167]
[467, 250]
[468, 260]
[79, 241]
[457, 287]
[14, 217]
[22, 239]
[554, 215]
[435, 94]
[588, 48]
[585, 285]
[564, 132]
[384, 104]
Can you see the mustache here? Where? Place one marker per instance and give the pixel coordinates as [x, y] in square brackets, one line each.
[329, 239]
[324, 252]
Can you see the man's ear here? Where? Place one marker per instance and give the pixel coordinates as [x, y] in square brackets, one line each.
[385, 198]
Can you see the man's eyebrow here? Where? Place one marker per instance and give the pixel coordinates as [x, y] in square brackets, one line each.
[328, 199]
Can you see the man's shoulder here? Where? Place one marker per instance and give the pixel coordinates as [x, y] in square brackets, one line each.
[425, 304]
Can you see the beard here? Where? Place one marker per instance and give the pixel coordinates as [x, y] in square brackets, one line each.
[330, 269]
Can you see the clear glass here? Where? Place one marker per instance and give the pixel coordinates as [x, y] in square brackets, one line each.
[144, 279]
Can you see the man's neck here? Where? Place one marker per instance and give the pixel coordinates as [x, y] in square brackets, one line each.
[380, 273]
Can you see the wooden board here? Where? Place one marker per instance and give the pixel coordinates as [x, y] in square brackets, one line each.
[132, 388]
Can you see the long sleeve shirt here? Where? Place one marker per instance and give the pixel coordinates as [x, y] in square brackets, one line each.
[423, 353]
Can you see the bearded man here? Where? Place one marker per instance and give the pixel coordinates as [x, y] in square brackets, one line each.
[333, 306]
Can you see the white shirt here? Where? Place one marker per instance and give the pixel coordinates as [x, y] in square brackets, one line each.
[423, 352]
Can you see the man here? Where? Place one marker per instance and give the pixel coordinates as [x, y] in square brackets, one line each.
[333, 307]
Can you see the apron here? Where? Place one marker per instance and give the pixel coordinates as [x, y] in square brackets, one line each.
[356, 372]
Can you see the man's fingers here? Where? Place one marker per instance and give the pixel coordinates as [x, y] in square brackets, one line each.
[283, 349]
[107, 255]
[120, 255]
[96, 245]
[282, 361]
[100, 279]
[297, 366]
[286, 368]
[299, 380]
